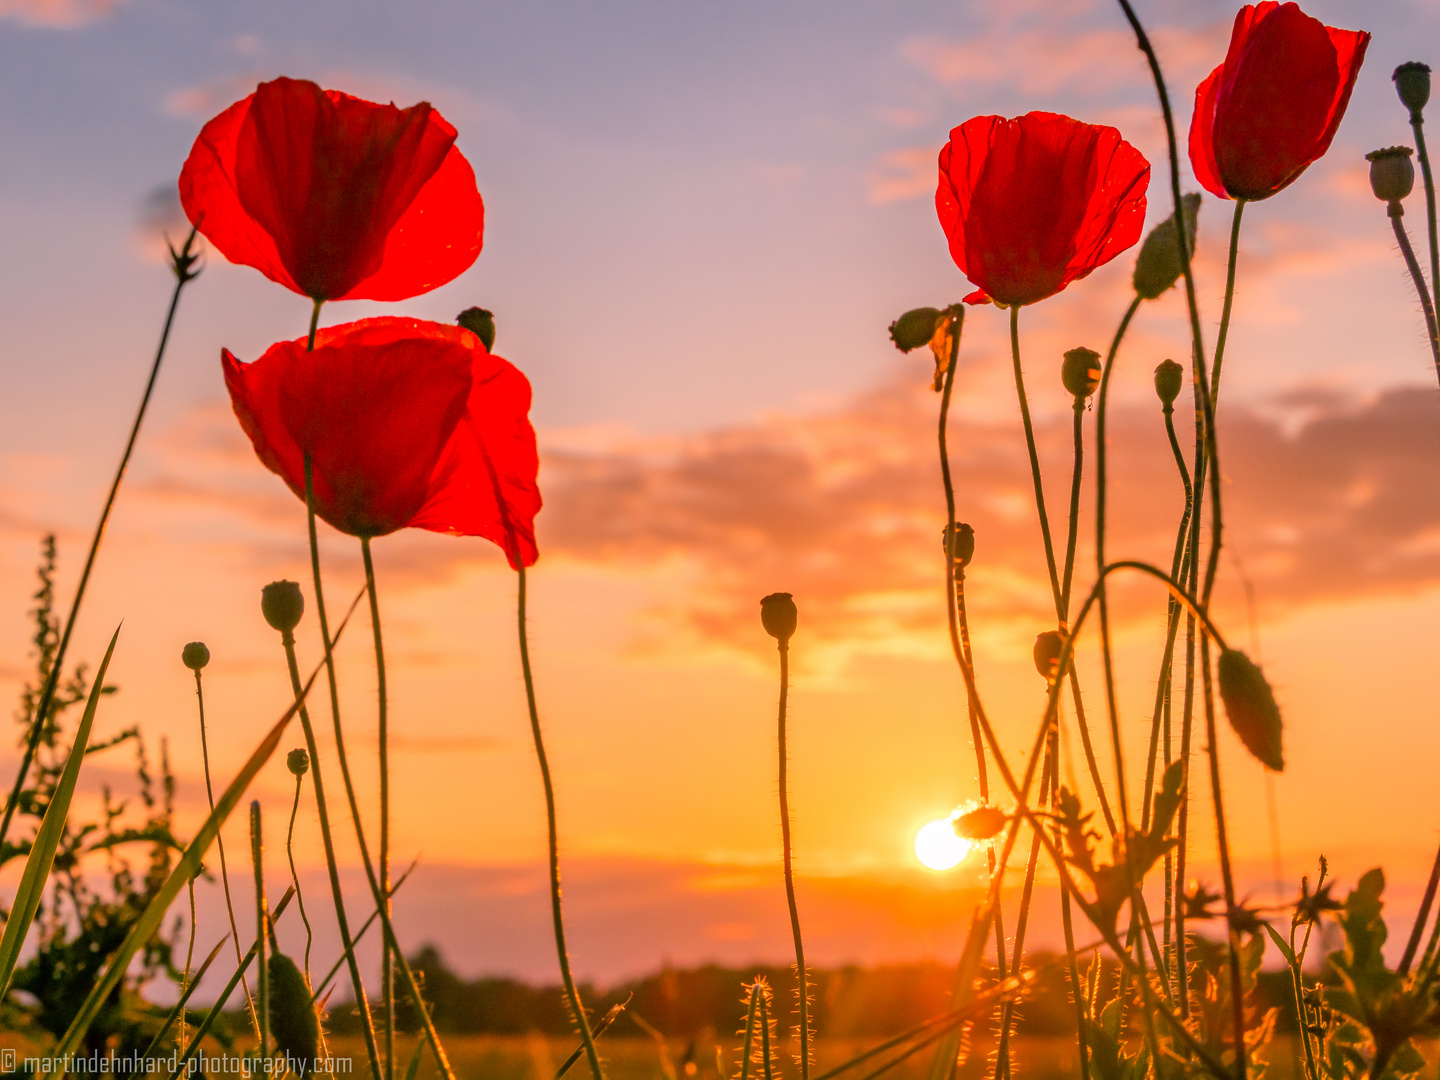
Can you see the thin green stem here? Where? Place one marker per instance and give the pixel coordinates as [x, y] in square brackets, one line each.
[295, 877]
[189, 954]
[320, 987]
[1034, 457]
[1403, 239]
[262, 977]
[1077, 472]
[1229, 299]
[387, 975]
[572, 995]
[1417, 124]
[802, 973]
[220, 846]
[362, 1004]
[182, 263]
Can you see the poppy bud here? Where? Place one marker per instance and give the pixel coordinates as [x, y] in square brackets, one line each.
[1158, 266]
[964, 549]
[479, 322]
[1047, 652]
[292, 1015]
[982, 823]
[915, 328]
[1250, 706]
[779, 616]
[1169, 378]
[1412, 83]
[298, 761]
[1080, 372]
[1392, 176]
[195, 655]
[282, 604]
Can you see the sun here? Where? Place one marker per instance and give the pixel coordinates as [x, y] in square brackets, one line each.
[937, 846]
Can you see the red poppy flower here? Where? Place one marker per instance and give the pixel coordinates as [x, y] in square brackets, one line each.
[405, 422]
[1032, 204]
[1273, 106]
[335, 197]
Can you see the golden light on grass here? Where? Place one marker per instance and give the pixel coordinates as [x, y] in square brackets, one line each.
[937, 847]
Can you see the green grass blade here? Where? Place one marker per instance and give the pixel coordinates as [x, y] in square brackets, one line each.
[52, 828]
[154, 914]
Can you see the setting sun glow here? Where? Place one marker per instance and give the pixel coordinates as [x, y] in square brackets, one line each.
[937, 846]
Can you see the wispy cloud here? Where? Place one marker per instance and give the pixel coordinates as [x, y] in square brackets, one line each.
[55, 13]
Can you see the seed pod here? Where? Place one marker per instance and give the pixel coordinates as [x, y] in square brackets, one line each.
[982, 823]
[479, 322]
[1080, 372]
[282, 604]
[195, 655]
[1169, 378]
[1158, 266]
[1392, 175]
[779, 616]
[1047, 652]
[298, 761]
[1251, 709]
[1412, 83]
[915, 328]
[292, 1016]
[964, 544]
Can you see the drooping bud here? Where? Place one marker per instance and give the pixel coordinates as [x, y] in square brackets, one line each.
[282, 604]
[1169, 378]
[915, 328]
[1047, 652]
[298, 761]
[779, 616]
[1412, 83]
[479, 322]
[195, 655]
[1392, 175]
[982, 823]
[964, 544]
[293, 1021]
[1158, 265]
[1251, 709]
[1080, 372]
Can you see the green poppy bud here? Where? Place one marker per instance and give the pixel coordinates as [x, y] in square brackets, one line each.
[1250, 706]
[293, 1022]
[1412, 83]
[1157, 267]
[779, 616]
[1169, 378]
[282, 604]
[1047, 652]
[915, 328]
[964, 544]
[982, 823]
[298, 761]
[1392, 175]
[195, 655]
[479, 322]
[1080, 372]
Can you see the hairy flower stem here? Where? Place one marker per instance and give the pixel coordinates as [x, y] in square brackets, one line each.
[1403, 239]
[220, 846]
[1417, 124]
[262, 974]
[295, 877]
[802, 973]
[182, 263]
[572, 995]
[287, 639]
[387, 971]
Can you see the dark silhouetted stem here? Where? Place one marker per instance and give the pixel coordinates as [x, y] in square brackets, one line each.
[295, 877]
[1421, 917]
[802, 973]
[181, 263]
[262, 974]
[1034, 457]
[1417, 124]
[387, 973]
[1403, 239]
[572, 995]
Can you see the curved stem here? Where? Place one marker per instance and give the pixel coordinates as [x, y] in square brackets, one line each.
[287, 639]
[572, 996]
[1077, 471]
[262, 972]
[182, 263]
[1229, 300]
[802, 973]
[387, 972]
[295, 877]
[220, 846]
[1403, 239]
[1417, 123]
[1034, 457]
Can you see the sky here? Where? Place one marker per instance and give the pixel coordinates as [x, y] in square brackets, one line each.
[700, 221]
